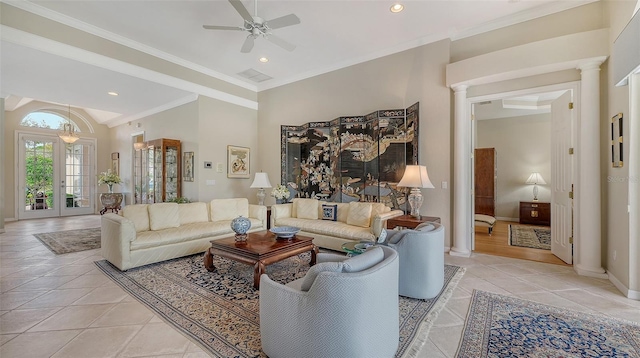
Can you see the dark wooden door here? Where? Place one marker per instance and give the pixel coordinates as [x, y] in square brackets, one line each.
[485, 181]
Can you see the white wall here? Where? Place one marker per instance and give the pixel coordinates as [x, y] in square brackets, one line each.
[523, 146]
[2, 166]
[394, 81]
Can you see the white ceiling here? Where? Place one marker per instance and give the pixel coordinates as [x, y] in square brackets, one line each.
[331, 35]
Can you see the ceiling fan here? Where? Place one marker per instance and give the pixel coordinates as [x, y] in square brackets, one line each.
[257, 26]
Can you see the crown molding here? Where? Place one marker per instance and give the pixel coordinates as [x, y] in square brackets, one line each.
[94, 30]
[125, 119]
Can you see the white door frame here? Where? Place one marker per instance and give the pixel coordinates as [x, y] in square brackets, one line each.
[470, 101]
[59, 162]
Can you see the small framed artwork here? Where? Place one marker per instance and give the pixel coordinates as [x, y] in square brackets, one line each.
[616, 141]
[238, 162]
[188, 166]
[115, 163]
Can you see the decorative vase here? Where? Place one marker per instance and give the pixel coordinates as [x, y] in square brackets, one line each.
[110, 188]
[240, 226]
[279, 201]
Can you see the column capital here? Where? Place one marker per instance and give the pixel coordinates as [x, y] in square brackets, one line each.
[591, 64]
[459, 88]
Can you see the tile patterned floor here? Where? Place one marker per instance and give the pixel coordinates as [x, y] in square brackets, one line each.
[62, 306]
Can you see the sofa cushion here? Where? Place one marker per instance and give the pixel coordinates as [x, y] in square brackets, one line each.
[306, 208]
[229, 209]
[343, 212]
[139, 215]
[379, 208]
[329, 228]
[359, 214]
[365, 260]
[174, 235]
[329, 212]
[193, 213]
[315, 270]
[163, 216]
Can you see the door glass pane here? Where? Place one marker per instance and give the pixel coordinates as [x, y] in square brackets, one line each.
[39, 175]
[77, 179]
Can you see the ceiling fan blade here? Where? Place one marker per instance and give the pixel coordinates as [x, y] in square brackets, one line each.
[283, 21]
[237, 4]
[247, 46]
[280, 42]
[214, 27]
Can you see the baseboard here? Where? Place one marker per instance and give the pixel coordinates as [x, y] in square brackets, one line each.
[447, 249]
[10, 219]
[634, 295]
[503, 218]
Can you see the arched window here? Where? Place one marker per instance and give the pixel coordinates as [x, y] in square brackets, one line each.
[47, 120]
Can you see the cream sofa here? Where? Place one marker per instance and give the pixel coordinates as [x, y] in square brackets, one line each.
[148, 233]
[355, 221]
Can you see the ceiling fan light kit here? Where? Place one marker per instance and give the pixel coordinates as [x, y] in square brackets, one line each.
[257, 26]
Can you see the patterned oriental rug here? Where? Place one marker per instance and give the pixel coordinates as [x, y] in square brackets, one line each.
[219, 310]
[501, 326]
[529, 236]
[64, 242]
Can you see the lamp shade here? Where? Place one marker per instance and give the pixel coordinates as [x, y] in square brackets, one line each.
[261, 180]
[415, 176]
[535, 178]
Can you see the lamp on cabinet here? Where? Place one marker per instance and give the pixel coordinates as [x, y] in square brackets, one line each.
[261, 181]
[415, 177]
[535, 179]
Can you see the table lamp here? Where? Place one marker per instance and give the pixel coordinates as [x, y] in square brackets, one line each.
[261, 181]
[535, 179]
[415, 177]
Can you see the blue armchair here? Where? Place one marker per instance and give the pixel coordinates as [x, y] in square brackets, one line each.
[345, 307]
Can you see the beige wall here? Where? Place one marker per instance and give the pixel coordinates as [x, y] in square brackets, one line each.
[3, 170]
[394, 81]
[12, 124]
[523, 146]
[615, 180]
[205, 127]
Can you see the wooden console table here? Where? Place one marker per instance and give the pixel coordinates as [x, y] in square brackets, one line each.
[535, 213]
[409, 221]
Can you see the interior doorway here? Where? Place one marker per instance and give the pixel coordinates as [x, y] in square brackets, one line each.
[529, 138]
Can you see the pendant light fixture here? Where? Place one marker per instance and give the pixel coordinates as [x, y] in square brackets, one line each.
[68, 135]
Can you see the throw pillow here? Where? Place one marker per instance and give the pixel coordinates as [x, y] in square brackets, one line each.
[307, 208]
[359, 214]
[139, 215]
[329, 212]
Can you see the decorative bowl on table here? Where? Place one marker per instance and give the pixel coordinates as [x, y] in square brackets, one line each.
[240, 226]
[285, 232]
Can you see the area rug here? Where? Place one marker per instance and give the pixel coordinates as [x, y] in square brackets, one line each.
[64, 242]
[529, 236]
[219, 310]
[501, 326]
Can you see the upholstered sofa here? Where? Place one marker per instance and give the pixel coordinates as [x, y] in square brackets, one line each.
[146, 233]
[333, 224]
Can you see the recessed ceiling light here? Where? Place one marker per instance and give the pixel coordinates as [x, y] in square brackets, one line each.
[264, 59]
[396, 7]
[111, 93]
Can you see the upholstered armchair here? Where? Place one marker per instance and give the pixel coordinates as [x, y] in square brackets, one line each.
[421, 253]
[344, 307]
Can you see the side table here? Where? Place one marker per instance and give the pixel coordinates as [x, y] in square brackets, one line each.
[409, 221]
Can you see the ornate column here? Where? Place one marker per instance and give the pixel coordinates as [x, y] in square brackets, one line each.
[462, 174]
[588, 243]
[2, 166]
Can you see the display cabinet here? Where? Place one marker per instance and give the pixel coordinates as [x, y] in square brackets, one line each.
[158, 171]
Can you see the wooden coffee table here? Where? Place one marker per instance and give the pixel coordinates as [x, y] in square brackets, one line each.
[261, 249]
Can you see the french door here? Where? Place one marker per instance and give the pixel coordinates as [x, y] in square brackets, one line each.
[55, 178]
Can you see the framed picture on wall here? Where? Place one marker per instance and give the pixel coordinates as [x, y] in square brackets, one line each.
[238, 162]
[115, 163]
[187, 161]
[616, 141]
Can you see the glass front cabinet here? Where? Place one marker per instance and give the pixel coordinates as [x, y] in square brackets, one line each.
[157, 171]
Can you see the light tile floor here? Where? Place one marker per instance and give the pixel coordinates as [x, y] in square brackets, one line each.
[63, 306]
